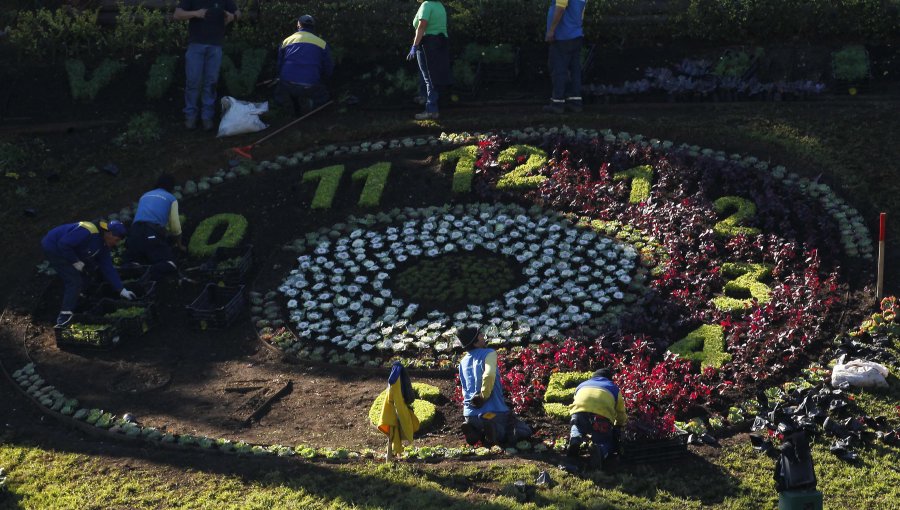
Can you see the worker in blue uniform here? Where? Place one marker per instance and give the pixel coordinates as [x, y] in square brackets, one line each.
[487, 418]
[156, 230]
[76, 248]
[598, 414]
[304, 61]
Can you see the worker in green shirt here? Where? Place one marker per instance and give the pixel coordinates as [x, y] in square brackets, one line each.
[431, 49]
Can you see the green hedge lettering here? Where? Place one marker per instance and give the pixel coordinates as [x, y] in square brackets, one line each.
[329, 180]
[746, 280]
[704, 345]
[235, 230]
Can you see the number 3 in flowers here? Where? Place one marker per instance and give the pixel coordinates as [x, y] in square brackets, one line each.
[746, 281]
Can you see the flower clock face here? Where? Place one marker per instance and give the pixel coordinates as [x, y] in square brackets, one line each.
[693, 273]
[410, 284]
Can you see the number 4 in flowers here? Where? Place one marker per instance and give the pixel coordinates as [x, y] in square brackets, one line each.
[704, 345]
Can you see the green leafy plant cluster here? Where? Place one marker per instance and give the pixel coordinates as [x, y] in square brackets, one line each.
[641, 182]
[734, 64]
[330, 178]
[733, 225]
[522, 176]
[851, 63]
[883, 322]
[423, 406]
[561, 392]
[705, 346]
[747, 281]
[161, 76]
[465, 167]
[84, 89]
[43, 35]
[382, 82]
[132, 312]
[456, 278]
[140, 30]
[375, 178]
[240, 81]
[88, 334]
[235, 229]
[142, 128]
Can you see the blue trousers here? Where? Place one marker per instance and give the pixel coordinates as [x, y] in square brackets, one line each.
[597, 429]
[201, 67]
[147, 244]
[565, 69]
[73, 280]
[507, 428]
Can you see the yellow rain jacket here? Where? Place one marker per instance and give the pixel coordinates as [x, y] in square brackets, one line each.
[398, 420]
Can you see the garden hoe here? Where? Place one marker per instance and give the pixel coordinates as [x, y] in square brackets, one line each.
[244, 152]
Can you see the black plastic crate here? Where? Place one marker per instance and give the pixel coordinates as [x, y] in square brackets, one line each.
[144, 290]
[136, 325]
[217, 306]
[228, 266]
[642, 452]
[74, 335]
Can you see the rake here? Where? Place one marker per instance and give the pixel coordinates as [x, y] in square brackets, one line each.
[244, 151]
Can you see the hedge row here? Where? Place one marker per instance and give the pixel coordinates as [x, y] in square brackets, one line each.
[367, 30]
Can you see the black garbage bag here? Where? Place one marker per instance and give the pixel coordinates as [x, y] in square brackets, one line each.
[794, 469]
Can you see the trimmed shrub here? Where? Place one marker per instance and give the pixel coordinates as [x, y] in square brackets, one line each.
[235, 230]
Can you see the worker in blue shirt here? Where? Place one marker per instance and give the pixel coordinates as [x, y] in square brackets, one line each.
[155, 230]
[565, 35]
[598, 413]
[74, 248]
[487, 418]
[304, 61]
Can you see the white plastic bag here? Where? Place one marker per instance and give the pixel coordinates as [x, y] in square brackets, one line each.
[241, 117]
[859, 373]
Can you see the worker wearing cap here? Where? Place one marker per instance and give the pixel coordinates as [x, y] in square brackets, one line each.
[598, 413]
[74, 247]
[155, 230]
[304, 60]
[486, 416]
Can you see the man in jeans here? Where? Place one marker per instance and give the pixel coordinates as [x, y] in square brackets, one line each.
[206, 30]
[565, 36]
[598, 414]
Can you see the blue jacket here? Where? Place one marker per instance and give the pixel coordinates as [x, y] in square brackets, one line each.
[478, 376]
[570, 25]
[82, 241]
[304, 58]
[155, 207]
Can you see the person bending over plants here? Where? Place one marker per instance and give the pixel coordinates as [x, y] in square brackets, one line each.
[486, 416]
[304, 60]
[598, 414]
[155, 230]
[73, 249]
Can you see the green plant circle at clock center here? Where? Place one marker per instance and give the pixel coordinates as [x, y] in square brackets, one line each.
[452, 281]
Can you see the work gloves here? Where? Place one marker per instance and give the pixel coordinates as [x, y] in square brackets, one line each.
[79, 265]
[127, 294]
[476, 401]
[412, 53]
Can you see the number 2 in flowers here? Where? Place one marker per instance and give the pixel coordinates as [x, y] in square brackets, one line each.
[375, 177]
[746, 281]
[521, 177]
[704, 345]
[329, 179]
[641, 181]
[732, 225]
[465, 158]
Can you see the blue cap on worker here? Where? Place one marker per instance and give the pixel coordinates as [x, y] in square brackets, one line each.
[117, 228]
[306, 21]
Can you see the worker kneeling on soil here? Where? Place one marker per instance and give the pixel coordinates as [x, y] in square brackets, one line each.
[75, 249]
[598, 413]
[156, 229]
[304, 60]
[486, 416]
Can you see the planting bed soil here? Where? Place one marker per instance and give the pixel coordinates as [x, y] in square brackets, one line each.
[672, 224]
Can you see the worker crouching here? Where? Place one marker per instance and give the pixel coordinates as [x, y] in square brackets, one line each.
[304, 61]
[598, 414]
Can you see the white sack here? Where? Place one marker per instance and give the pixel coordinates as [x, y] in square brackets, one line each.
[240, 117]
[860, 373]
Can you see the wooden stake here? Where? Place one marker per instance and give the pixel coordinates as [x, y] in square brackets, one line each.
[879, 287]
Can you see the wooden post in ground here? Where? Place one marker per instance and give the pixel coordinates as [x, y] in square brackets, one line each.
[879, 287]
